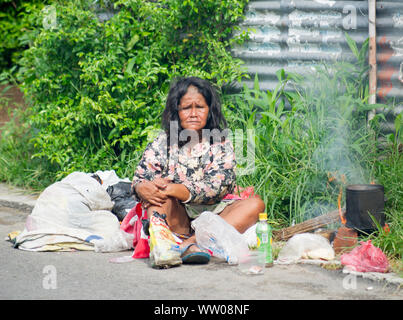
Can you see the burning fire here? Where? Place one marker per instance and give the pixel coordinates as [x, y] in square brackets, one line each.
[342, 218]
[343, 180]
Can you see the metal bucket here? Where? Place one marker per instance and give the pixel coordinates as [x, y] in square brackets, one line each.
[362, 202]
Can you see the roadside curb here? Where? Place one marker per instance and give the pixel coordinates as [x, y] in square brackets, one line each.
[16, 198]
[16, 205]
[389, 277]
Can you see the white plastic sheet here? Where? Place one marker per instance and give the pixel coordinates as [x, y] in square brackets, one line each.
[305, 246]
[222, 239]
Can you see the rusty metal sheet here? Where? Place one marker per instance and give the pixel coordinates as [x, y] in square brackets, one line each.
[390, 56]
[295, 35]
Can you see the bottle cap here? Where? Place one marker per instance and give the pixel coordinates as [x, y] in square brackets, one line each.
[262, 216]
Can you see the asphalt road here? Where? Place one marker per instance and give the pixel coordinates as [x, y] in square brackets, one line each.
[87, 275]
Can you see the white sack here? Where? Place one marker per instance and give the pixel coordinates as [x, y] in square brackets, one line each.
[77, 209]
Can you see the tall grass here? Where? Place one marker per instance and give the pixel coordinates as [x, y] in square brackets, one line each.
[17, 167]
[389, 173]
[313, 139]
[310, 140]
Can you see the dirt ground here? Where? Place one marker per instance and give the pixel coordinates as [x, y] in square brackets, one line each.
[10, 99]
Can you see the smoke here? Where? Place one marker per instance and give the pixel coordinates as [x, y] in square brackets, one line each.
[336, 155]
[339, 156]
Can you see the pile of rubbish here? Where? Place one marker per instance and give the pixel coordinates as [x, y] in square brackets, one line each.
[96, 211]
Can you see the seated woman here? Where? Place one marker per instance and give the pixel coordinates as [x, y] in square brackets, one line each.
[183, 173]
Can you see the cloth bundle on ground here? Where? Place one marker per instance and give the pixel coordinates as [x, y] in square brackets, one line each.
[75, 214]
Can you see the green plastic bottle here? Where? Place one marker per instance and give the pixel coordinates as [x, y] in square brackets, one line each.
[264, 240]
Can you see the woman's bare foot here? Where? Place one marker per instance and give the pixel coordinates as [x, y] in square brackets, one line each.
[191, 248]
[192, 253]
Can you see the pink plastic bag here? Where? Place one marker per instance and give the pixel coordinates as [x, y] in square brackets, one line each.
[366, 258]
[132, 224]
[240, 193]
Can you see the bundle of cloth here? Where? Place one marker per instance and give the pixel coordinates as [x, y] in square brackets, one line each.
[75, 214]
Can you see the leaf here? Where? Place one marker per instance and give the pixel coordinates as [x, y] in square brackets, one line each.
[132, 42]
[363, 50]
[114, 132]
[256, 83]
[280, 74]
[353, 46]
[130, 65]
[271, 116]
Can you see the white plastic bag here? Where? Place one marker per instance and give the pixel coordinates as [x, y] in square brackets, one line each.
[223, 240]
[119, 241]
[305, 246]
[250, 237]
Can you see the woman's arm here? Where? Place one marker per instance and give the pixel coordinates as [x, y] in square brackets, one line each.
[178, 191]
[164, 189]
[151, 167]
[149, 192]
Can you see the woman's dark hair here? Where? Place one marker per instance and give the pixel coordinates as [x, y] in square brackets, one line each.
[178, 89]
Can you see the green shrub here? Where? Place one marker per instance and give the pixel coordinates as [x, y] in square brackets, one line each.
[97, 88]
[17, 17]
[16, 165]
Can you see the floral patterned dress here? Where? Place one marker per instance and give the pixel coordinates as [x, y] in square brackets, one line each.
[207, 170]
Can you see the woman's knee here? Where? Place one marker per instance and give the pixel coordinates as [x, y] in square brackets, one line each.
[252, 207]
[257, 205]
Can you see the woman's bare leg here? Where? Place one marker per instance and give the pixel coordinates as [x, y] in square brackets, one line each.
[176, 216]
[241, 214]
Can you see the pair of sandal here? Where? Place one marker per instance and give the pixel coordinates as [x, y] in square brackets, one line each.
[198, 257]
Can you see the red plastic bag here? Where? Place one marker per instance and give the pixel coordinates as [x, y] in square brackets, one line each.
[132, 224]
[366, 258]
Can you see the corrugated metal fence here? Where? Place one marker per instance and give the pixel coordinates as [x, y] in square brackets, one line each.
[295, 35]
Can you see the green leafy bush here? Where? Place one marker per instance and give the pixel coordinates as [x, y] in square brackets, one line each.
[16, 18]
[97, 87]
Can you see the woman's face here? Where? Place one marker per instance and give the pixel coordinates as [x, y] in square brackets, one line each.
[193, 110]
